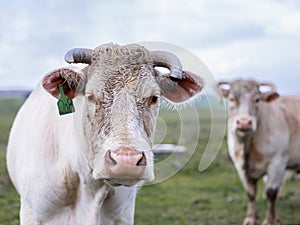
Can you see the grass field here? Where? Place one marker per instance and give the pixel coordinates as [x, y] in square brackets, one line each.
[212, 197]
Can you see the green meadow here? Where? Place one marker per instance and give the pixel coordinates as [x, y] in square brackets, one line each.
[212, 197]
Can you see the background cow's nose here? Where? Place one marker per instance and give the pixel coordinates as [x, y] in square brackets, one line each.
[125, 163]
[244, 123]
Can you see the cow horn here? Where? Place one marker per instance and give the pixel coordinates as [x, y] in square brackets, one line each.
[170, 61]
[224, 82]
[269, 84]
[79, 55]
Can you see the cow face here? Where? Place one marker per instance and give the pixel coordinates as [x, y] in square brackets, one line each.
[117, 97]
[245, 99]
[121, 106]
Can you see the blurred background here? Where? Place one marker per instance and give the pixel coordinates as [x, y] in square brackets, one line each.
[250, 38]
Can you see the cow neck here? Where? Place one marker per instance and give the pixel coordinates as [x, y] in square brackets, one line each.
[246, 150]
[243, 144]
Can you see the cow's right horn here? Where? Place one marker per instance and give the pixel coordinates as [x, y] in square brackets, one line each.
[79, 55]
[170, 61]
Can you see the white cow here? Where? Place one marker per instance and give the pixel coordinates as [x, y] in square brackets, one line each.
[82, 168]
[263, 139]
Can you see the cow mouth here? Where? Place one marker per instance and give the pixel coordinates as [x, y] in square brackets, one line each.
[244, 129]
[244, 132]
[116, 182]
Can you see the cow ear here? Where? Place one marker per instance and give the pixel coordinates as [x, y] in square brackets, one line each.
[180, 91]
[269, 96]
[70, 79]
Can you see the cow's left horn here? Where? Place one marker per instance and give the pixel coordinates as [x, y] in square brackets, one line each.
[79, 55]
[170, 61]
[269, 84]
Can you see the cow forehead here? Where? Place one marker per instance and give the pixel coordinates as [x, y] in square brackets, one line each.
[132, 78]
[241, 87]
[114, 67]
[114, 55]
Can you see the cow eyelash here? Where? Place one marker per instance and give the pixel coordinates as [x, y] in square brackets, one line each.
[152, 100]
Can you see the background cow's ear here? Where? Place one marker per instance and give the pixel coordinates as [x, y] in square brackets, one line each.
[269, 96]
[224, 88]
[71, 80]
[179, 91]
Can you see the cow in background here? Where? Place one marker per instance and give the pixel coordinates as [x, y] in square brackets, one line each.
[263, 139]
[82, 168]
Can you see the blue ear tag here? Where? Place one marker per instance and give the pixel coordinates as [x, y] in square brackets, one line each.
[64, 104]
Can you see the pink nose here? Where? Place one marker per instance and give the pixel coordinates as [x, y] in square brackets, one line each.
[125, 163]
[244, 123]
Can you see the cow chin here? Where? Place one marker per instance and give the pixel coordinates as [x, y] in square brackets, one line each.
[123, 182]
[244, 133]
[124, 179]
[114, 182]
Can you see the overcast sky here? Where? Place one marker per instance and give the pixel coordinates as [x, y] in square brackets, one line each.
[234, 38]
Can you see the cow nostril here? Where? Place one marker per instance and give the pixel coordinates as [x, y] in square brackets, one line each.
[112, 160]
[249, 122]
[142, 161]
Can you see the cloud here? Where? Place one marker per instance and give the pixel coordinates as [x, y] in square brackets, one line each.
[233, 37]
[269, 59]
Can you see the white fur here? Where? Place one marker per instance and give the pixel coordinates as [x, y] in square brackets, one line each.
[37, 164]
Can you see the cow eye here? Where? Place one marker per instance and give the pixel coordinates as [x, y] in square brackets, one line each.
[152, 100]
[91, 98]
[257, 100]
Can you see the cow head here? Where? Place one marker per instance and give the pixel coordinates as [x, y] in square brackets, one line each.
[117, 96]
[245, 98]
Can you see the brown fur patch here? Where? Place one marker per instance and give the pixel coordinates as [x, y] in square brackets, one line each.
[254, 154]
[237, 154]
[71, 183]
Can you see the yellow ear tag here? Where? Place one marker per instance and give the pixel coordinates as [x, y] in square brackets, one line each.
[64, 104]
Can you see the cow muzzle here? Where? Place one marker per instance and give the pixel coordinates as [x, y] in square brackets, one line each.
[125, 164]
[245, 125]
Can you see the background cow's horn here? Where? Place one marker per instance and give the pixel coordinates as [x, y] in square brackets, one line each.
[170, 61]
[224, 82]
[79, 55]
[269, 84]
